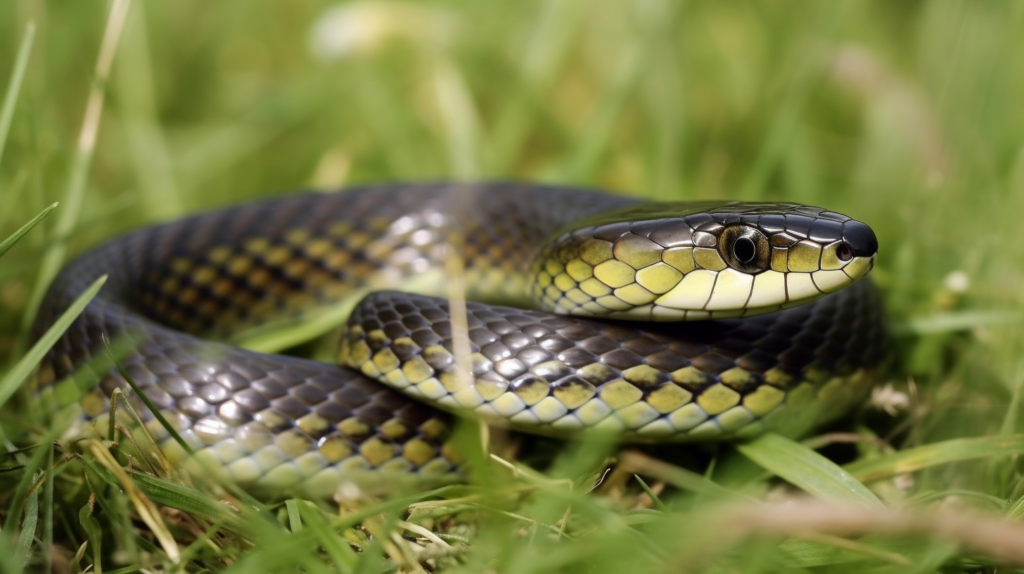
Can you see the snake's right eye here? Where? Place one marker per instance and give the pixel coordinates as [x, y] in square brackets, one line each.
[744, 248]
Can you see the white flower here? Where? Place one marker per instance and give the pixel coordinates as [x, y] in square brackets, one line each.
[889, 399]
[355, 27]
[957, 282]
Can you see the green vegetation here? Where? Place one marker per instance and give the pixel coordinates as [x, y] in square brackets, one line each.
[903, 114]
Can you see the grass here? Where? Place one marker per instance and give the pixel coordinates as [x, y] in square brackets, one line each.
[905, 115]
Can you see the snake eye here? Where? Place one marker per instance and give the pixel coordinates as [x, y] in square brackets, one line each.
[744, 248]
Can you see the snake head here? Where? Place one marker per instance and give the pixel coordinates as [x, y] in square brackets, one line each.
[672, 262]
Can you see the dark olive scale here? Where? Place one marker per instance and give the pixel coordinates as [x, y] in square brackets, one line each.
[771, 223]
[798, 225]
[783, 239]
[611, 232]
[645, 228]
[825, 230]
[671, 233]
[217, 274]
[704, 239]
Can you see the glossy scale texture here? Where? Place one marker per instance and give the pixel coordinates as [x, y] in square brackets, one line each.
[283, 422]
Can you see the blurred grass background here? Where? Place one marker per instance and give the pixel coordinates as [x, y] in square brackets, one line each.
[906, 115]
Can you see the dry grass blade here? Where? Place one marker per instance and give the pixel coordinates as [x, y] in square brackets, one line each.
[728, 527]
[637, 462]
[148, 511]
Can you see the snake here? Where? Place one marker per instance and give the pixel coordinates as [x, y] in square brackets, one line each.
[558, 311]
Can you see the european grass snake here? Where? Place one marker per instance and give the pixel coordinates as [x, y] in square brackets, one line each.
[777, 333]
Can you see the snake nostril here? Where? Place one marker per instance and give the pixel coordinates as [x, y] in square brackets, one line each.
[844, 252]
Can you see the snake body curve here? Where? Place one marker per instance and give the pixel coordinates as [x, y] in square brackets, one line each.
[275, 421]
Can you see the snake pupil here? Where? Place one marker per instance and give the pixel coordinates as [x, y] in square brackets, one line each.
[844, 252]
[744, 249]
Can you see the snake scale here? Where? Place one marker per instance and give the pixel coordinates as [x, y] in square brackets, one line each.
[679, 321]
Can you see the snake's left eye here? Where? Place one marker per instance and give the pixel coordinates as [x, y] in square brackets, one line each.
[744, 248]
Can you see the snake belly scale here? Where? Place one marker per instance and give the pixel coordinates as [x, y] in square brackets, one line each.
[689, 321]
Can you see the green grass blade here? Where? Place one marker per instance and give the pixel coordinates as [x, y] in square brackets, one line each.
[935, 454]
[460, 123]
[785, 122]
[334, 545]
[955, 321]
[1016, 510]
[28, 528]
[32, 469]
[14, 87]
[654, 497]
[806, 469]
[157, 414]
[24, 367]
[544, 56]
[593, 144]
[6, 244]
[294, 519]
[75, 194]
[93, 532]
[48, 506]
[7, 556]
[133, 81]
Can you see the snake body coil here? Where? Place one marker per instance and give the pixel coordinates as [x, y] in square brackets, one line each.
[279, 421]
